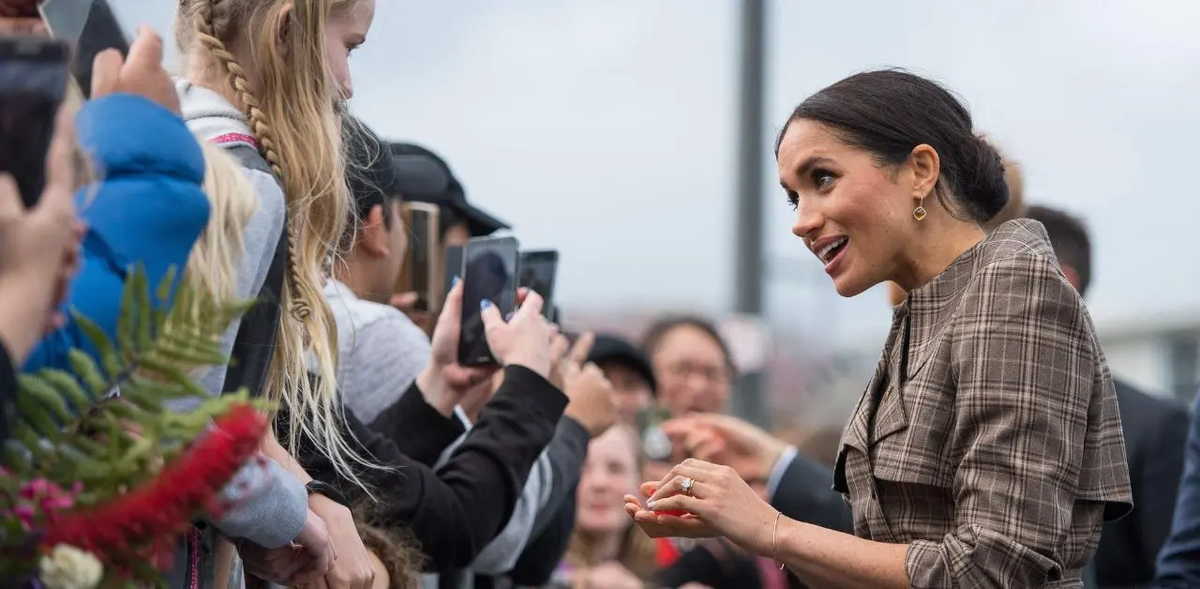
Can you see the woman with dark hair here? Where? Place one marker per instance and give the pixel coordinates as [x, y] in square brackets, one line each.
[986, 450]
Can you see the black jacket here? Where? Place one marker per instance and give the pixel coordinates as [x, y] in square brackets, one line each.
[453, 513]
[8, 393]
[1155, 432]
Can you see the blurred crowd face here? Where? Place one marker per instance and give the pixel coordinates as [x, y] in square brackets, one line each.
[609, 473]
[380, 251]
[842, 192]
[693, 373]
[633, 393]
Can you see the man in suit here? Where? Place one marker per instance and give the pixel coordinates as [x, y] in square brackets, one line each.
[1155, 431]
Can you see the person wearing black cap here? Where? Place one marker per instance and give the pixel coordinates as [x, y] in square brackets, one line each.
[422, 176]
[382, 352]
[628, 369]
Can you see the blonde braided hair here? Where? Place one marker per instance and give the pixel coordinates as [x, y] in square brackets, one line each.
[296, 101]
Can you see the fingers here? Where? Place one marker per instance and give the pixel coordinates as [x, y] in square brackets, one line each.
[10, 197]
[583, 347]
[674, 487]
[559, 347]
[687, 469]
[677, 504]
[146, 52]
[532, 305]
[405, 301]
[60, 174]
[490, 315]
[106, 72]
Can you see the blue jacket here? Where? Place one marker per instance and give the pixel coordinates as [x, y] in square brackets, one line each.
[148, 207]
[1179, 559]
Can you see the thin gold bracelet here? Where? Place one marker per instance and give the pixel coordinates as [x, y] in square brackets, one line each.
[774, 548]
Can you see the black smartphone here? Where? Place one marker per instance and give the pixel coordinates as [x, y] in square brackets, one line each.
[453, 267]
[538, 270]
[90, 26]
[489, 273]
[421, 273]
[33, 81]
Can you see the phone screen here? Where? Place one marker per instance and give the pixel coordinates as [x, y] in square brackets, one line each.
[91, 27]
[538, 269]
[33, 80]
[489, 272]
[454, 266]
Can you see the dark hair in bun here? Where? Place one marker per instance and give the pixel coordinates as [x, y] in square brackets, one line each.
[889, 112]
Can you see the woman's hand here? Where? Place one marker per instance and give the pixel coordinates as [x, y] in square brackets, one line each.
[525, 339]
[142, 73]
[39, 248]
[351, 562]
[309, 556]
[722, 439]
[445, 382]
[720, 504]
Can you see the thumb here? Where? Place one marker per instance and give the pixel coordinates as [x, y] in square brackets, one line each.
[490, 314]
[146, 52]
[106, 72]
[10, 197]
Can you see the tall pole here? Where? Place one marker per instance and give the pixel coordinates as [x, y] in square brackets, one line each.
[748, 261]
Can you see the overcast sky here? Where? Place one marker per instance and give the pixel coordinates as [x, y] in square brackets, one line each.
[606, 129]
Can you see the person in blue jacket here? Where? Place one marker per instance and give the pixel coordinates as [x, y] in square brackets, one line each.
[147, 210]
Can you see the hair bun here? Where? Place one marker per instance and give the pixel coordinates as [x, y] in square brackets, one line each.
[985, 187]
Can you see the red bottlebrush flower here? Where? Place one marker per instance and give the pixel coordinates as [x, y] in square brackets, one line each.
[138, 525]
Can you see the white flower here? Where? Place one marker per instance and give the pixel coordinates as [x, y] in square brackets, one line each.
[67, 567]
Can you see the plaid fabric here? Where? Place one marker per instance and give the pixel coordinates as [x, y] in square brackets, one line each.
[1001, 455]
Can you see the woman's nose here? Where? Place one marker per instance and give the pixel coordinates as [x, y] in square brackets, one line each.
[808, 221]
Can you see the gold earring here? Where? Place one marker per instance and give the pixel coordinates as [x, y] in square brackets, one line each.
[919, 212]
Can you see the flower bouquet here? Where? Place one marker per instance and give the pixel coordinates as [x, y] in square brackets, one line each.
[99, 479]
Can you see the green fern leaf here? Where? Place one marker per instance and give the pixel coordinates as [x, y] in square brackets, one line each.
[108, 355]
[174, 374]
[15, 458]
[34, 388]
[86, 369]
[66, 385]
[34, 413]
[142, 310]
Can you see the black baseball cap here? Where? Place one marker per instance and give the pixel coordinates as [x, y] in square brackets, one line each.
[614, 349]
[422, 176]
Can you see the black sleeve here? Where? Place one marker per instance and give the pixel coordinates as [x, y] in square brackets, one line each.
[455, 512]
[1156, 481]
[555, 522]
[8, 393]
[804, 494]
[567, 452]
[416, 428]
[541, 557]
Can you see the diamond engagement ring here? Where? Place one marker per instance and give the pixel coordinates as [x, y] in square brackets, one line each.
[686, 485]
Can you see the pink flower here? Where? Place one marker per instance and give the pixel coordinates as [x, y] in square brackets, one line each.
[44, 497]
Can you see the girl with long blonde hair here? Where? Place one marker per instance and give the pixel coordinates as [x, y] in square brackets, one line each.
[264, 79]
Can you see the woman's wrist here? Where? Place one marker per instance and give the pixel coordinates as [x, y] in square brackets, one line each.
[20, 328]
[435, 390]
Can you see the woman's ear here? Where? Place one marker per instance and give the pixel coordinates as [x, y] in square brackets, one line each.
[926, 168]
[283, 28]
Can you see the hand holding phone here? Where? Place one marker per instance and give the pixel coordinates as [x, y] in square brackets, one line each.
[142, 73]
[445, 382]
[523, 340]
[39, 246]
[489, 274]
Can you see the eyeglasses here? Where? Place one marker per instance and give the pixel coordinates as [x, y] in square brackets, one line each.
[686, 369]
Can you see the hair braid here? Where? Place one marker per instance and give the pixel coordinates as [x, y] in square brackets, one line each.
[208, 35]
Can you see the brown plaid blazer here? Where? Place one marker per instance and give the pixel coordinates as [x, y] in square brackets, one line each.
[998, 454]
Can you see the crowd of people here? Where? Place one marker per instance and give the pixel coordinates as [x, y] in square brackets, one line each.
[990, 448]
